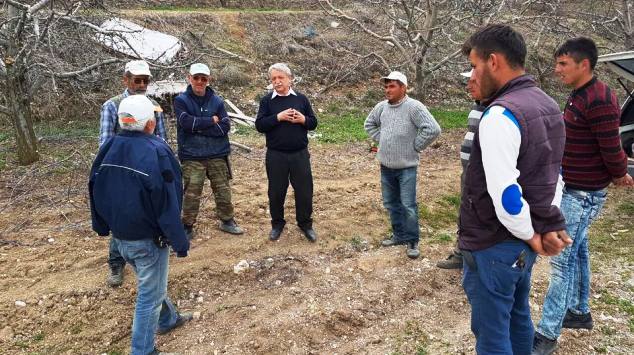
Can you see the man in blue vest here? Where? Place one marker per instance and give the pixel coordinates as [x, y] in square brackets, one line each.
[203, 149]
[136, 192]
[509, 211]
[136, 77]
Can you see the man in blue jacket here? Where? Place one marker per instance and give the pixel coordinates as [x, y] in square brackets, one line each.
[136, 192]
[203, 149]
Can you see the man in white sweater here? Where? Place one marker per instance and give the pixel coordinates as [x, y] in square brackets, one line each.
[402, 127]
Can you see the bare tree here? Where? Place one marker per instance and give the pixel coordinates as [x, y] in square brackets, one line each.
[420, 37]
[610, 19]
[31, 36]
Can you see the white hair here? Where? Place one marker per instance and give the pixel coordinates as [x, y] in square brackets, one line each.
[283, 67]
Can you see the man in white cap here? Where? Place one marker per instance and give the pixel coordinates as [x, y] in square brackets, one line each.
[136, 78]
[136, 192]
[203, 149]
[402, 127]
[454, 259]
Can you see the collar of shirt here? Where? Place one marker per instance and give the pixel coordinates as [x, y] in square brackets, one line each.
[290, 92]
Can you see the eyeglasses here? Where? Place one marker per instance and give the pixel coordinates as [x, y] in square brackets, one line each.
[201, 78]
[139, 81]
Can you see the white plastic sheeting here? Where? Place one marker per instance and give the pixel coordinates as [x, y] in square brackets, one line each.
[137, 41]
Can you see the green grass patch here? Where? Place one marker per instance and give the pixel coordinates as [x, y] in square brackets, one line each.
[450, 119]
[343, 128]
[442, 238]
[441, 213]
[39, 336]
[626, 208]
[340, 124]
[68, 129]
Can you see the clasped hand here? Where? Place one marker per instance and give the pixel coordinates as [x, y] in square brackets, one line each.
[551, 243]
[292, 116]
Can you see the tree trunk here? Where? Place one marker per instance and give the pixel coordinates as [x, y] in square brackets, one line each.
[18, 105]
[17, 93]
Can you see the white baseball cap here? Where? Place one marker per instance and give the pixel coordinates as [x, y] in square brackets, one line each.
[396, 75]
[199, 68]
[138, 67]
[467, 74]
[134, 112]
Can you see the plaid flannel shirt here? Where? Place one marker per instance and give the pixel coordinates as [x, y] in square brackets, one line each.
[109, 120]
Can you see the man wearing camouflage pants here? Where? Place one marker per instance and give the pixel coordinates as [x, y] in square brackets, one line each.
[203, 148]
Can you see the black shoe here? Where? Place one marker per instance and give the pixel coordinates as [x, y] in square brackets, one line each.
[453, 261]
[116, 276]
[543, 345]
[577, 321]
[310, 234]
[182, 319]
[275, 234]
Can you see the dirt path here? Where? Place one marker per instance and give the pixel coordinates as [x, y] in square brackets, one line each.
[341, 295]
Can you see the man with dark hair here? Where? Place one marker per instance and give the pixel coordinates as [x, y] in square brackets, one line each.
[454, 260]
[286, 116]
[593, 158]
[508, 212]
[203, 149]
[136, 78]
[403, 127]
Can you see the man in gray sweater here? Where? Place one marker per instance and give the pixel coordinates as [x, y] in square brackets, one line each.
[402, 127]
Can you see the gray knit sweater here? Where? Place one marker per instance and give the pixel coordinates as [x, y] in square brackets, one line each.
[402, 131]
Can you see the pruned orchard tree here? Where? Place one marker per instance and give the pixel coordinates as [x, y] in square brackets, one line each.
[420, 37]
[611, 19]
[33, 41]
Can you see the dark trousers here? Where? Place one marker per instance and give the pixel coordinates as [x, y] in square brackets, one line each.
[115, 260]
[282, 167]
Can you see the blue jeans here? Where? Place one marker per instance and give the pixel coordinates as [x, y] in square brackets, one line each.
[151, 265]
[398, 187]
[498, 293]
[569, 286]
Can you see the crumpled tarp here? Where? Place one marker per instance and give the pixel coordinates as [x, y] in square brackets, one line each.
[137, 41]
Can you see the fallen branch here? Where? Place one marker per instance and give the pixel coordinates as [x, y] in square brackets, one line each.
[247, 148]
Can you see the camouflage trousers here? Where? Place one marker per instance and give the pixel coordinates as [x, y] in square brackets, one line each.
[194, 173]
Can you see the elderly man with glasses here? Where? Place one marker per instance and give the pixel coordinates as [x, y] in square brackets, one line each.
[203, 149]
[136, 79]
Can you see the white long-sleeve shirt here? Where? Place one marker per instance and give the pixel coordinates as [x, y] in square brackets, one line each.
[500, 139]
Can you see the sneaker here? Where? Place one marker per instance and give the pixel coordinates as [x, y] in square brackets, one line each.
[390, 241]
[577, 321]
[182, 319]
[412, 250]
[231, 227]
[543, 345]
[453, 261]
[189, 231]
[116, 277]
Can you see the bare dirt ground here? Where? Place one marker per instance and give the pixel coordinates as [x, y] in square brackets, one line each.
[342, 295]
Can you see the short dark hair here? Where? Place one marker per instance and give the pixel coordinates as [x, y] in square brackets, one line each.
[578, 49]
[497, 39]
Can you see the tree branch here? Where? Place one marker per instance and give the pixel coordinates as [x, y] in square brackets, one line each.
[37, 6]
[77, 73]
[4, 110]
